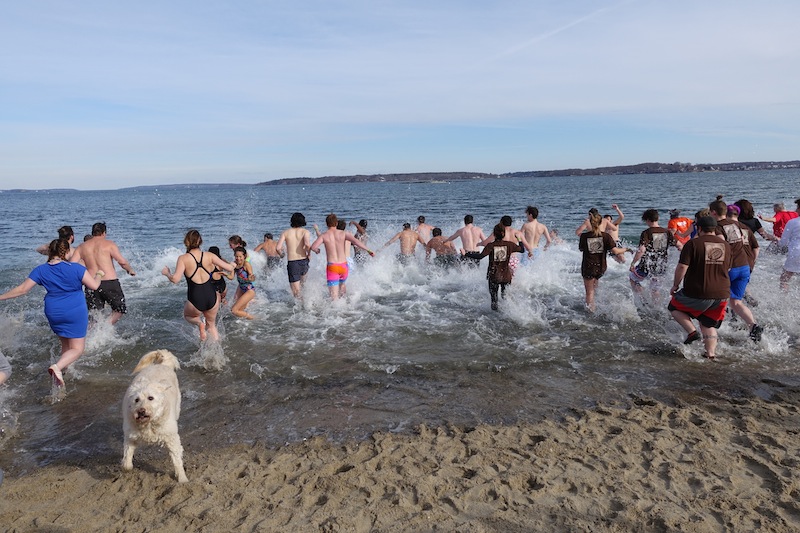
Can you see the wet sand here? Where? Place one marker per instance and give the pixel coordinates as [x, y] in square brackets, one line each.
[726, 464]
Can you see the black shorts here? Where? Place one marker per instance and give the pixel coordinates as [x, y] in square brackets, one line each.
[297, 269]
[109, 292]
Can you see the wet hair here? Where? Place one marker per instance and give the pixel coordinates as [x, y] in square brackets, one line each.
[98, 228]
[240, 249]
[268, 236]
[331, 221]
[341, 225]
[363, 223]
[437, 232]
[594, 221]
[532, 211]
[746, 209]
[406, 226]
[506, 221]
[718, 207]
[237, 241]
[192, 240]
[421, 219]
[65, 232]
[215, 250]
[298, 220]
[467, 219]
[499, 232]
[609, 217]
[650, 215]
[58, 248]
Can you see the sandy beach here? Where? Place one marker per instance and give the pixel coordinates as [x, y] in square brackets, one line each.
[728, 464]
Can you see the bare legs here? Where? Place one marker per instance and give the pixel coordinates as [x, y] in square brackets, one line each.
[71, 350]
[709, 334]
[242, 299]
[590, 284]
[206, 321]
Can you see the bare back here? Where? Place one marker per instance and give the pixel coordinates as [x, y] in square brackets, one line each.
[99, 253]
[298, 243]
[408, 241]
[470, 237]
[533, 232]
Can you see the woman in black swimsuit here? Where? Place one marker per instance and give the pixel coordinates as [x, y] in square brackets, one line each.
[203, 300]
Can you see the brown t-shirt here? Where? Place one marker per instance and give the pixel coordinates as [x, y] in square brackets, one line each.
[656, 242]
[499, 253]
[709, 259]
[733, 232]
[594, 253]
[749, 243]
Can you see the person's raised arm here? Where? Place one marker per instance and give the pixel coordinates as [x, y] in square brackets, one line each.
[621, 216]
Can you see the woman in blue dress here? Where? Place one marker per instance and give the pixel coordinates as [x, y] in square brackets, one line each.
[64, 303]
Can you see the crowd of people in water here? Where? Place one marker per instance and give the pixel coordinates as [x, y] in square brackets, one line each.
[718, 250]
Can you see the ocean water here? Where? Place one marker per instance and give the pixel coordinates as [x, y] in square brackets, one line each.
[408, 346]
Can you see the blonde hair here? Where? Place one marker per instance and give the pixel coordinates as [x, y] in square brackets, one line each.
[595, 220]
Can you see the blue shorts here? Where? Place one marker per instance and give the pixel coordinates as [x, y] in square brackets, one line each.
[740, 277]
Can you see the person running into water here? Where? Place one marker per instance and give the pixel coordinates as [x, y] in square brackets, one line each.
[270, 248]
[246, 290]
[446, 254]
[679, 226]
[607, 226]
[202, 298]
[218, 277]
[64, 302]
[650, 260]
[790, 238]
[64, 232]
[5, 370]
[335, 240]
[781, 218]
[408, 242]
[499, 273]
[359, 256]
[739, 237]
[297, 241]
[99, 253]
[423, 229]
[595, 244]
[533, 230]
[470, 236]
[703, 270]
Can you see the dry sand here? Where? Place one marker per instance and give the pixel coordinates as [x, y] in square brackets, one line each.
[726, 465]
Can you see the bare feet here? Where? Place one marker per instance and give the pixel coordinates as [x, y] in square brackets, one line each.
[58, 379]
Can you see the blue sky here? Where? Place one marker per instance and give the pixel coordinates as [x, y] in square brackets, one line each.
[108, 94]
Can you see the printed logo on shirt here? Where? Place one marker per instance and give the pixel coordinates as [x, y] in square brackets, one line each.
[595, 245]
[715, 253]
[733, 233]
[500, 253]
[659, 242]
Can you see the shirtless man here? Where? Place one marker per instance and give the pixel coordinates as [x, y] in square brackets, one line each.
[470, 236]
[608, 226]
[270, 247]
[423, 229]
[335, 240]
[297, 241]
[446, 254]
[533, 230]
[99, 253]
[408, 242]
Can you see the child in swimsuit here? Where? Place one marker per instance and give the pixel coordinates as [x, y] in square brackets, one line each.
[246, 291]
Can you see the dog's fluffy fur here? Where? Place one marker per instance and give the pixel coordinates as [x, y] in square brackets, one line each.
[151, 408]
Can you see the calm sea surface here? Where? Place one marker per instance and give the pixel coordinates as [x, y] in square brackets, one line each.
[410, 345]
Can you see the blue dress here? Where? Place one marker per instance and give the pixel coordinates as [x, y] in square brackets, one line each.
[64, 303]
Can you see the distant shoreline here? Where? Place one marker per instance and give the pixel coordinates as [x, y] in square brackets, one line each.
[444, 177]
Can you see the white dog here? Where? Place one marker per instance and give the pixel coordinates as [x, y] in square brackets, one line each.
[151, 408]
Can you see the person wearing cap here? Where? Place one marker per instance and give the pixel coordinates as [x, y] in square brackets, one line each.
[703, 269]
[743, 247]
[680, 227]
